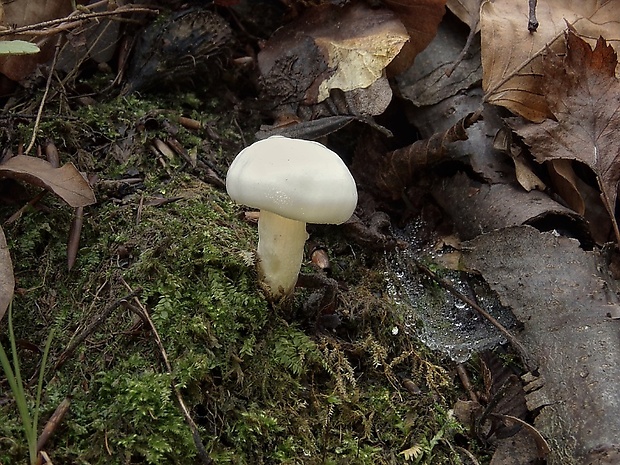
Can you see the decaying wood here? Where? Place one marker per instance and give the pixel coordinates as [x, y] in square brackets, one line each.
[562, 296]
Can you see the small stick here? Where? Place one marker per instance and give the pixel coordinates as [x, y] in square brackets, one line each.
[140, 209]
[517, 346]
[532, 22]
[73, 20]
[53, 423]
[98, 320]
[32, 202]
[143, 313]
[75, 231]
[460, 370]
[37, 121]
[465, 50]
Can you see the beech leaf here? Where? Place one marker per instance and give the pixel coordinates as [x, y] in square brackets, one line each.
[512, 56]
[7, 280]
[583, 94]
[66, 182]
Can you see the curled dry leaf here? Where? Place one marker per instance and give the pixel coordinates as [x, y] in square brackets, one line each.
[512, 56]
[389, 174]
[7, 280]
[66, 182]
[565, 183]
[583, 94]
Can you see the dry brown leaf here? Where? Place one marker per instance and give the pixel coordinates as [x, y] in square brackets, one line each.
[564, 182]
[66, 181]
[7, 280]
[511, 55]
[583, 94]
[24, 12]
[467, 11]
[421, 18]
[525, 176]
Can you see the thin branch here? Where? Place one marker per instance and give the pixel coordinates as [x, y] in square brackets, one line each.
[53, 422]
[532, 22]
[98, 320]
[143, 313]
[462, 372]
[71, 21]
[37, 121]
[470, 38]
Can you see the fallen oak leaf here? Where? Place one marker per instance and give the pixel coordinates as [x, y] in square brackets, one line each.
[583, 95]
[66, 182]
[512, 55]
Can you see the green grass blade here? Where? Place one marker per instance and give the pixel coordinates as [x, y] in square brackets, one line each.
[46, 351]
[16, 384]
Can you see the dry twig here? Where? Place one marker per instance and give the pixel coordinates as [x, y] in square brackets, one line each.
[37, 121]
[532, 22]
[74, 20]
[517, 346]
[142, 312]
[98, 320]
[53, 422]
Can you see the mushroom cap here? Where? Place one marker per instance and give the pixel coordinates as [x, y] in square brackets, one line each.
[297, 179]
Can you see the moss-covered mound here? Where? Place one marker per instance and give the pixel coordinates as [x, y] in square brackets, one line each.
[264, 385]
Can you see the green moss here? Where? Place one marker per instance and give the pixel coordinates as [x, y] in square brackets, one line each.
[264, 386]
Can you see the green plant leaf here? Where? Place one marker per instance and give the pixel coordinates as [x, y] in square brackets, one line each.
[18, 47]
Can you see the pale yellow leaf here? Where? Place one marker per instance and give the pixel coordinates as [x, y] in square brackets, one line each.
[526, 177]
[565, 183]
[359, 55]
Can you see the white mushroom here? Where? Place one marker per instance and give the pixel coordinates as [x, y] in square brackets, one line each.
[292, 182]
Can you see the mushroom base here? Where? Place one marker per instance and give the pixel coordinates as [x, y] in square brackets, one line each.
[280, 253]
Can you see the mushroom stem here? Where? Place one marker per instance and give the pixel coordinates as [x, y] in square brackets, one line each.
[280, 253]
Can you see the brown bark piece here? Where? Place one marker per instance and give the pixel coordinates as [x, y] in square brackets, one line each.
[559, 293]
